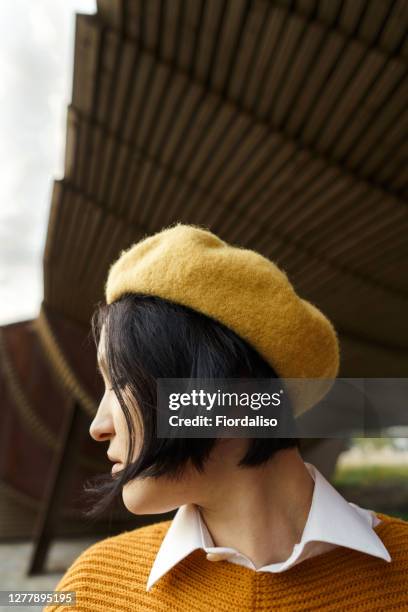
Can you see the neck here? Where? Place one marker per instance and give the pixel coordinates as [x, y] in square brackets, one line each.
[260, 511]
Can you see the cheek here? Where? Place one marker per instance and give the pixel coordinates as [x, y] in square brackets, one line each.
[122, 431]
[119, 421]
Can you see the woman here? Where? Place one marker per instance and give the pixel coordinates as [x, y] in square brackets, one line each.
[256, 526]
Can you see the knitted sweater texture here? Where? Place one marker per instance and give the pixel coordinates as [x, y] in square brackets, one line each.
[111, 575]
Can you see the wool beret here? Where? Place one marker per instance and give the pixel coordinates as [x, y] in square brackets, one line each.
[247, 292]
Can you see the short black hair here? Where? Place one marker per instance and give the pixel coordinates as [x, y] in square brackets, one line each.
[148, 337]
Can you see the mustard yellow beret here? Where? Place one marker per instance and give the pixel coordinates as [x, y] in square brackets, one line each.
[242, 289]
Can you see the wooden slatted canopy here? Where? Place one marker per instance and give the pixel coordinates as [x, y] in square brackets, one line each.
[280, 125]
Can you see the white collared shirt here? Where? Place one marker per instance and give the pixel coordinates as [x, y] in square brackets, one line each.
[332, 521]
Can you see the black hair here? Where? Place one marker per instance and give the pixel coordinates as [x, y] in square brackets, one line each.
[148, 337]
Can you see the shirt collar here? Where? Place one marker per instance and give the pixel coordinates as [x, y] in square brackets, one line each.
[331, 519]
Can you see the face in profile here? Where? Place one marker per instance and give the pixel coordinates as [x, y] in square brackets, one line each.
[159, 494]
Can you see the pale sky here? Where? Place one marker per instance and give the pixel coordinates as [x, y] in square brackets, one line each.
[36, 59]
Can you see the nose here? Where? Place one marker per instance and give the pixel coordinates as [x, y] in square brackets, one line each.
[101, 428]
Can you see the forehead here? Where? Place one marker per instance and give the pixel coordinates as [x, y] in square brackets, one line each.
[101, 346]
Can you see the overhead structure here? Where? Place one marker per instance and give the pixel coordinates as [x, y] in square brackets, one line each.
[281, 126]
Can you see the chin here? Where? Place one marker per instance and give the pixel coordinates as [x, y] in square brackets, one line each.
[140, 499]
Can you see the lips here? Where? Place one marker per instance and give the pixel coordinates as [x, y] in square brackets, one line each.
[113, 459]
[117, 464]
[116, 468]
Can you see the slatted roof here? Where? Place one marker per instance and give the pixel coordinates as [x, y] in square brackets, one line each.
[280, 125]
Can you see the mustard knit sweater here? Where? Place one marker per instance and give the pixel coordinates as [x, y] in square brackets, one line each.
[111, 575]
